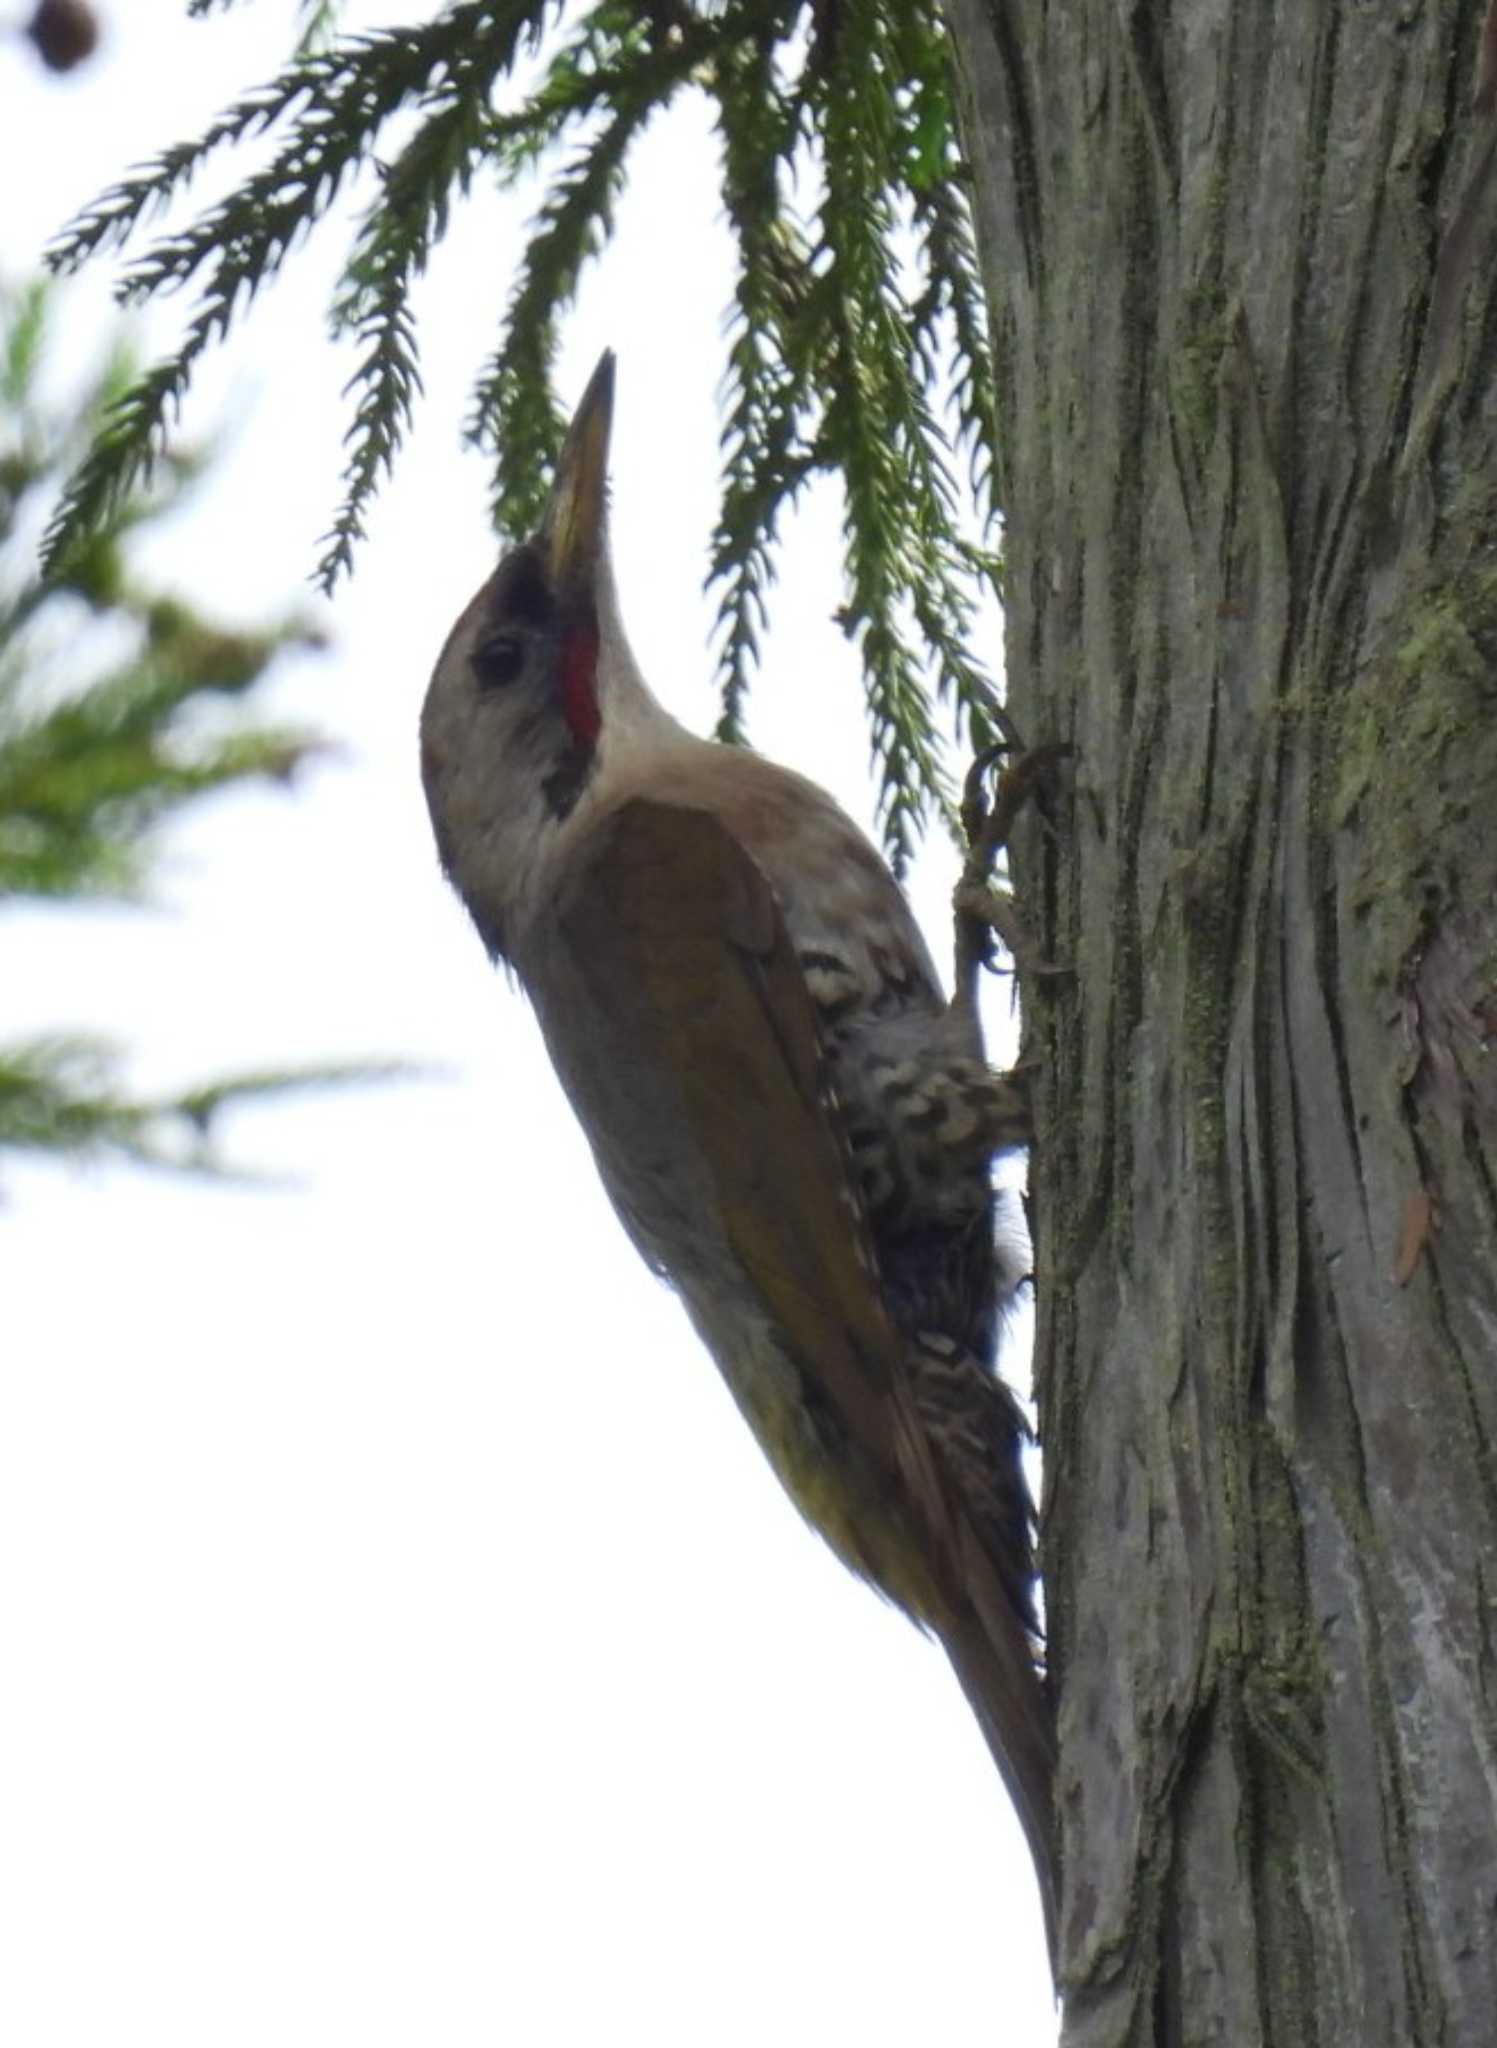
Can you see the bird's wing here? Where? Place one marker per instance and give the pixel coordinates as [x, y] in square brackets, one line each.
[677, 936]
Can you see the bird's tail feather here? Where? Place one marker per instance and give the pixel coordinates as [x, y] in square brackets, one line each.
[1006, 1694]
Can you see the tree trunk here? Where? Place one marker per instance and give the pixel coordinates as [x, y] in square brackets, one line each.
[1241, 263]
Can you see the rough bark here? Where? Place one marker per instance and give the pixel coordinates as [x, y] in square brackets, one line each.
[1241, 261]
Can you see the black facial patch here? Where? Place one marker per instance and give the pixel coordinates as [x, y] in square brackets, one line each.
[521, 594]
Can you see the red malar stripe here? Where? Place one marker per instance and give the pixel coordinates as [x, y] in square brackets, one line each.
[579, 684]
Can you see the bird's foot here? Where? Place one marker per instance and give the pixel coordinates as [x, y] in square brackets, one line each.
[983, 910]
[988, 824]
[985, 913]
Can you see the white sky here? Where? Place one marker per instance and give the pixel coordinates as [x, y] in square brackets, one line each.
[402, 1638]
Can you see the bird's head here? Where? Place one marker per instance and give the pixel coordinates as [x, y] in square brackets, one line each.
[534, 688]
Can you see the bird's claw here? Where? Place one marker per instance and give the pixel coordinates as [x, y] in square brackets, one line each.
[983, 910]
[988, 826]
[993, 913]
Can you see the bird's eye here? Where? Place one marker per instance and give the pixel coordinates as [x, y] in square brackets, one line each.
[498, 659]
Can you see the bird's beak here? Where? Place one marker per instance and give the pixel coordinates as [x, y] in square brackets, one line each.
[572, 531]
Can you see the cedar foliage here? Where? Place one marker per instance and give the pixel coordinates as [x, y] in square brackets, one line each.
[856, 340]
[118, 710]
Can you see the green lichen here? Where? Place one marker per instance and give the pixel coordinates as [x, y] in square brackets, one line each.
[1195, 364]
[1417, 751]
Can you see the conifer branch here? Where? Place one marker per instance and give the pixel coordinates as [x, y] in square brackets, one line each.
[856, 341]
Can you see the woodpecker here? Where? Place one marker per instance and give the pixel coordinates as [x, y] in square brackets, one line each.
[795, 1127]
